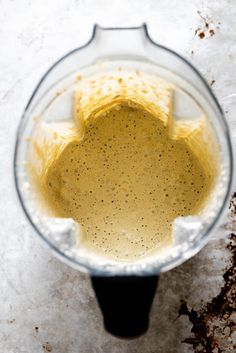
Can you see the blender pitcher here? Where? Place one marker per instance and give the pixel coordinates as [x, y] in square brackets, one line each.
[124, 290]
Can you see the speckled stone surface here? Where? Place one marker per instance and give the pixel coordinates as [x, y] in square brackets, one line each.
[45, 306]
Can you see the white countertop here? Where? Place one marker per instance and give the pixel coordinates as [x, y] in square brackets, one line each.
[45, 306]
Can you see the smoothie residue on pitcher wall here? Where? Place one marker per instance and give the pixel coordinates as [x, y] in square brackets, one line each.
[124, 169]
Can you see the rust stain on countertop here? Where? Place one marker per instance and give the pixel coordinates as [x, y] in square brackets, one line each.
[214, 325]
[47, 347]
[208, 27]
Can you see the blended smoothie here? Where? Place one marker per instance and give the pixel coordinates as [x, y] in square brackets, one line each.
[126, 173]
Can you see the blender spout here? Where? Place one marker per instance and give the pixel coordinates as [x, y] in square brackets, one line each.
[121, 41]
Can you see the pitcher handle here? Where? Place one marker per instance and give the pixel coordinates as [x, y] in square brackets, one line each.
[125, 302]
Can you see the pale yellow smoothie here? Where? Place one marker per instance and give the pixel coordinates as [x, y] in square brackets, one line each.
[126, 172]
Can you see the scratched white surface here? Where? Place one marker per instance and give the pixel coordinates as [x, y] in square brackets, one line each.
[36, 290]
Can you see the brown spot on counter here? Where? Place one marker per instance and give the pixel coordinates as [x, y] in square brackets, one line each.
[47, 347]
[213, 325]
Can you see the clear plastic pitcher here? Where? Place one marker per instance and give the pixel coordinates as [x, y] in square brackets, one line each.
[124, 289]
